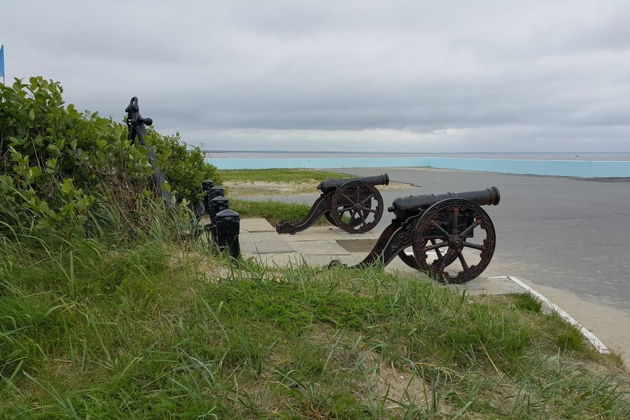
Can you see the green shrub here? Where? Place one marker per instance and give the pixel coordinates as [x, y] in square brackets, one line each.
[184, 169]
[62, 170]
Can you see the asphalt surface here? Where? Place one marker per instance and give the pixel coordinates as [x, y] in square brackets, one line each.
[565, 233]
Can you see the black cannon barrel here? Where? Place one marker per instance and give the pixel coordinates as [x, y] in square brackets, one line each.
[404, 205]
[331, 184]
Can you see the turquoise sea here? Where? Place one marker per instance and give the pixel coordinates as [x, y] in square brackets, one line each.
[582, 165]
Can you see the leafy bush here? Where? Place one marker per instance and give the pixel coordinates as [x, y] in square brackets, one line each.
[184, 169]
[63, 169]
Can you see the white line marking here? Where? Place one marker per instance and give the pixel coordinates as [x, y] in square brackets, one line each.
[595, 342]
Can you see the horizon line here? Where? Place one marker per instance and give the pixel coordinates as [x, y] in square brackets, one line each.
[405, 153]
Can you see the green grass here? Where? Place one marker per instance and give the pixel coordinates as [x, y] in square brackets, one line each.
[280, 175]
[156, 331]
[273, 211]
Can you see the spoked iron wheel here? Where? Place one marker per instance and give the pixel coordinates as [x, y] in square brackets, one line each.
[356, 207]
[444, 245]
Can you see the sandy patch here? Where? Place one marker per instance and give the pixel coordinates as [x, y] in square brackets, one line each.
[242, 188]
[395, 387]
[398, 387]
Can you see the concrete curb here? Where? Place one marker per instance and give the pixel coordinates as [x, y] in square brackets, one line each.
[595, 342]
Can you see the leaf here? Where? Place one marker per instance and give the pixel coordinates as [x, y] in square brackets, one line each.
[35, 172]
[53, 149]
[44, 208]
[100, 143]
[16, 141]
[66, 186]
[51, 164]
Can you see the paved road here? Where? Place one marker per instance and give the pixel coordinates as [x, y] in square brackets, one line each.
[565, 233]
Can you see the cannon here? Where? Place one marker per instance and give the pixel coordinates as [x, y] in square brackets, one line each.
[451, 236]
[354, 205]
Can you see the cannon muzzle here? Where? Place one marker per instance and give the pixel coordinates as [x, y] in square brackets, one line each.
[404, 206]
[332, 184]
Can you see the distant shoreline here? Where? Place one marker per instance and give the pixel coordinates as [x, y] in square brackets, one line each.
[562, 156]
[590, 169]
[343, 152]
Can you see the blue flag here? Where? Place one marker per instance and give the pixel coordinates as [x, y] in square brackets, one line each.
[2, 62]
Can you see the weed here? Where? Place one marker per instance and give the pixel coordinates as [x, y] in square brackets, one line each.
[526, 302]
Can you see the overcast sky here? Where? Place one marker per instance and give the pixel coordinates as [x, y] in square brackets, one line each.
[439, 76]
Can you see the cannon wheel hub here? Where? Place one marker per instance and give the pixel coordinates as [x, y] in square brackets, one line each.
[456, 241]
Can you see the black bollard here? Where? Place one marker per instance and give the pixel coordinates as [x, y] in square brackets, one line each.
[227, 227]
[206, 185]
[211, 193]
[216, 205]
[216, 192]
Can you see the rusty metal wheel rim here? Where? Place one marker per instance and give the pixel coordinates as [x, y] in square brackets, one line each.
[359, 201]
[450, 246]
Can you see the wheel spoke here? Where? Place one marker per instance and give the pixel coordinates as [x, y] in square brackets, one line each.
[437, 225]
[369, 197]
[434, 246]
[369, 209]
[437, 250]
[447, 257]
[347, 198]
[462, 260]
[469, 228]
[475, 246]
[455, 219]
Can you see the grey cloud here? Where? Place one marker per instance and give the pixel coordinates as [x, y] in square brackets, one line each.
[513, 76]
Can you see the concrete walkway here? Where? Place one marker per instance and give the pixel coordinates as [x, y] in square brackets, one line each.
[319, 245]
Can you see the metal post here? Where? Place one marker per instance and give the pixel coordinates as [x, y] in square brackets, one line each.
[216, 205]
[227, 228]
[211, 193]
[216, 192]
[207, 184]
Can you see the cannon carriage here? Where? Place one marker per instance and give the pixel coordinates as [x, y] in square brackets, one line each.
[354, 205]
[448, 236]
